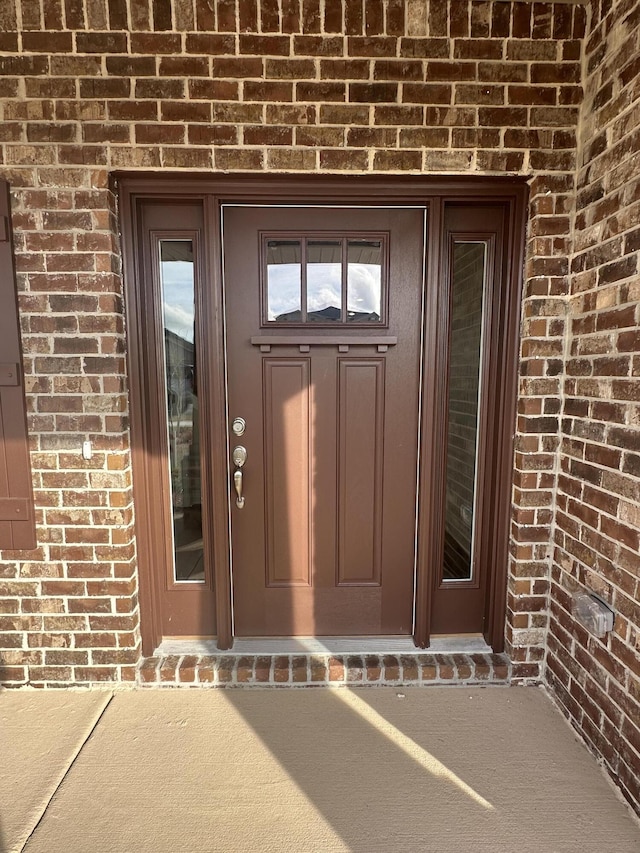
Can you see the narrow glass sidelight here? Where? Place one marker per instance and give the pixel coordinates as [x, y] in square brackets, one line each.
[177, 281]
[467, 299]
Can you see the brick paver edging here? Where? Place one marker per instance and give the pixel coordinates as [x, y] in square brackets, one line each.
[297, 670]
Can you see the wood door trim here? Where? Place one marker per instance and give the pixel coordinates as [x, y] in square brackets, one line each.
[217, 417]
[375, 191]
[319, 189]
[149, 591]
[496, 598]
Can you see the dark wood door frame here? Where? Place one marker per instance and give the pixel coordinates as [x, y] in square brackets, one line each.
[211, 191]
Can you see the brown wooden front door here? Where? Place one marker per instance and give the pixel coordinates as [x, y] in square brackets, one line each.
[323, 329]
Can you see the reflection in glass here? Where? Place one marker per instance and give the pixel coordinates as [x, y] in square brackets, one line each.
[364, 281]
[324, 281]
[467, 291]
[284, 281]
[178, 307]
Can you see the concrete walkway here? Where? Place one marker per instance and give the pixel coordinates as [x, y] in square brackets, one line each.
[373, 770]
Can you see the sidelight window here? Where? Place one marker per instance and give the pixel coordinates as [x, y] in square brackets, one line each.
[180, 364]
[467, 305]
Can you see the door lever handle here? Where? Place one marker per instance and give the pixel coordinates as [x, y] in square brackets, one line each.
[237, 482]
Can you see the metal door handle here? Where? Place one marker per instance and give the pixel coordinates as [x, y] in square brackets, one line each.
[237, 482]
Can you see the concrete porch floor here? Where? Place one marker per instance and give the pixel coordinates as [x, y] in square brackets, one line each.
[373, 770]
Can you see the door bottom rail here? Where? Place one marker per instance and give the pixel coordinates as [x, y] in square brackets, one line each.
[317, 670]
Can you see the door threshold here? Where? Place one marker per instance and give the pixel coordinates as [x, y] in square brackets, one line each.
[190, 664]
[242, 646]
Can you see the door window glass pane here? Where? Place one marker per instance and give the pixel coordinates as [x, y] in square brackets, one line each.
[284, 281]
[364, 281]
[178, 308]
[324, 281]
[467, 295]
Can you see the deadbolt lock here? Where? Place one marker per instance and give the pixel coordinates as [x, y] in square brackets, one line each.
[238, 426]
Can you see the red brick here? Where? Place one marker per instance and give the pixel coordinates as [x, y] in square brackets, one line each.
[259, 45]
[425, 48]
[209, 44]
[318, 45]
[397, 70]
[238, 67]
[290, 69]
[374, 46]
[450, 71]
[340, 159]
[96, 42]
[272, 90]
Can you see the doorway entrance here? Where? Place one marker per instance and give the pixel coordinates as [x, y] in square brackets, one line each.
[322, 406]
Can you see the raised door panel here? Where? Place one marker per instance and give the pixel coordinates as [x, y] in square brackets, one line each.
[287, 467]
[360, 449]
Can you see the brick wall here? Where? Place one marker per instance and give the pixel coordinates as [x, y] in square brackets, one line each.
[597, 534]
[89, 86]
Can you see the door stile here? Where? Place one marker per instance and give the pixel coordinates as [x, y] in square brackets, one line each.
[214, 339]
[430, 473]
